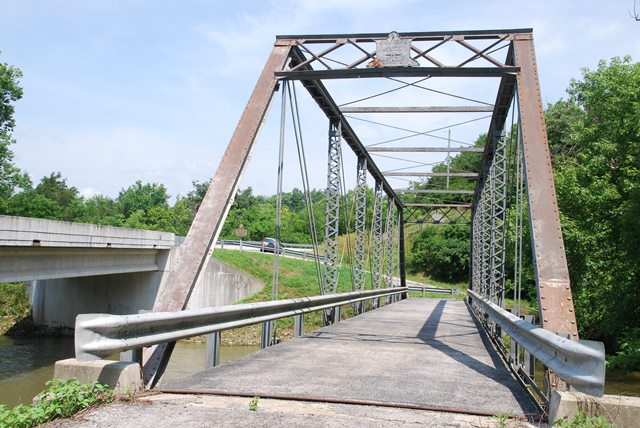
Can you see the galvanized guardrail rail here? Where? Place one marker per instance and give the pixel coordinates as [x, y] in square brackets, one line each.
[100, 335]
[580, 363]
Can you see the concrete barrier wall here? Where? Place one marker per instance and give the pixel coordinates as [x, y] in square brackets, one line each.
[221, 285]
[57, 302]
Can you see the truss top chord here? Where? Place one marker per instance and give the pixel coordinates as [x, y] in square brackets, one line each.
[431, 174]
[439, 205]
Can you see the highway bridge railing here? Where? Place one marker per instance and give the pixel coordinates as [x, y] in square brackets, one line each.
[580, 363]
[100, 335]
[285, 248]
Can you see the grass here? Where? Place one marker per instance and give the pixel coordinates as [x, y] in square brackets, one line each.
[297, 278]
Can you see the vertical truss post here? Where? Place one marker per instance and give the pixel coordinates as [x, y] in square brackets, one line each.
[550, 263]
[389, 253]
[401, 262]
[376, 246]
[332, 223]
[498, 210]
[360, 230]
[485, 250]
[476, 265]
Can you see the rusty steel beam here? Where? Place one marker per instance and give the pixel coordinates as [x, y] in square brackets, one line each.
[428, 109]
[425, 149]
[550, 263]
[362, 73]
[430, 174]
[192, 256]
[416, 36]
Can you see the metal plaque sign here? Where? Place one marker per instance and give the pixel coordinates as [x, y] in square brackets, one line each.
[393, 52]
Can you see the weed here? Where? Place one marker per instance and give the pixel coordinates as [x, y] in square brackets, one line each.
[582, 420]
[253, 404]
[62, 399]
[502, 419]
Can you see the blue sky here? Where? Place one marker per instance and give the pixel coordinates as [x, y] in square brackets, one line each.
[118, 91]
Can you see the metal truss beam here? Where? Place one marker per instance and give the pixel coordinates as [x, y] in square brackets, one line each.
[436, 191]
[425, 149]
[436, 215]
[416, 36]
[363, 73]
[332, 223]
[431, 174]
[377, 244]
[360, 227]
[430, 109]
[550, 263]
[321, 96]
[389, 251]
[193, 255]
[498, 184]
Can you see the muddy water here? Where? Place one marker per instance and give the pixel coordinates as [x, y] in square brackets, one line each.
[27, 364]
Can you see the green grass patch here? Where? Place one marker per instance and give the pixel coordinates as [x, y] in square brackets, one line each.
[62, 399]
[297, 278]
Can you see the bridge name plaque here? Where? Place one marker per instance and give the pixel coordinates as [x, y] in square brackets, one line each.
[393, 52]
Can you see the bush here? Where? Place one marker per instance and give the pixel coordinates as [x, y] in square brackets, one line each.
[628, 357]
[62, 399]
[441, 252]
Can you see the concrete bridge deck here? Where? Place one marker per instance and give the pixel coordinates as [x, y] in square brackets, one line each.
[417, 353]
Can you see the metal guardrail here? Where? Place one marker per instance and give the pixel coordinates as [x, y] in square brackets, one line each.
[283, 248]
[451, 291]
[101, 335]
[580, 363]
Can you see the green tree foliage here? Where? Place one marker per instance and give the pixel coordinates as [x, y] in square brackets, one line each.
[598, 183]
[442, 252]
[142, 197]
[11, 178]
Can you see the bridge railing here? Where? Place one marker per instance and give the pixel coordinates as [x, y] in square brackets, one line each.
[100, 335]
[285, 248]
[580, 363]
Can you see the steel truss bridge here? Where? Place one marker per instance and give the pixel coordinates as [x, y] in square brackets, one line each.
[512, 174]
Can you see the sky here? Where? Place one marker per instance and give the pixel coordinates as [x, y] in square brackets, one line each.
[151, 90]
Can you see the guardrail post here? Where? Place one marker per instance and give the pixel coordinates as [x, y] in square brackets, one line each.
[337, 316]
[298, 325]
[132, 356]
[212, 354]
[265, 340]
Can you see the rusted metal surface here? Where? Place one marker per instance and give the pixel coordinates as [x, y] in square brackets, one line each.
[550, 263]
[192, 257]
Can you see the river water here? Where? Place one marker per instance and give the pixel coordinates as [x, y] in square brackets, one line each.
[27, 364]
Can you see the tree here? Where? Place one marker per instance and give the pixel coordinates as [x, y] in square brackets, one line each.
[11, 178]
[442, 252]
[55, 188]
[598, 186]
[142, 197]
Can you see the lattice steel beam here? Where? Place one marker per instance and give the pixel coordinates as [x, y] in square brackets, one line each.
[377, 244]
[332, 223]
[389, 251]
[360, 230]
[498, 184]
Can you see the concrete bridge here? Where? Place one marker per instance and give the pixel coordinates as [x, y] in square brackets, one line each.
[74, 268]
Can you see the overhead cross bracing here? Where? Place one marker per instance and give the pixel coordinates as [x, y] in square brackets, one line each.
[410, 107]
